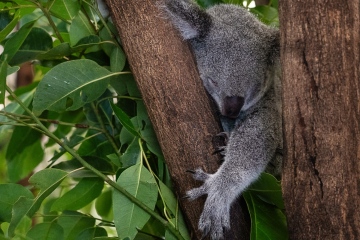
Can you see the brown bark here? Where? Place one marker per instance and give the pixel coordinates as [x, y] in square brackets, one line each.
[321, 106]
[176, 101]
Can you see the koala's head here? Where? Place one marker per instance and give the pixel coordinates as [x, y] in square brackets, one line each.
[234, 52]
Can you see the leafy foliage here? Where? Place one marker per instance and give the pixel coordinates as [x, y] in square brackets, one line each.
[86, 100]
[108, 177]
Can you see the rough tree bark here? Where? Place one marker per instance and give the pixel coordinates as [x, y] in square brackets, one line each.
[176, 101]
[321, 106]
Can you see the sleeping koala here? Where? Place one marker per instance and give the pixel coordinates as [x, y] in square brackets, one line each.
[238, 60]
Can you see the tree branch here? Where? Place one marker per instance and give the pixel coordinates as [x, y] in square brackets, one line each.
[181, 112]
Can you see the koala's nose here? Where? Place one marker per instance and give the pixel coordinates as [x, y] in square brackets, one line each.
[232, 106]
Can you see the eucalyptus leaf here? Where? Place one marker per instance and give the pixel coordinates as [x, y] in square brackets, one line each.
[65, 9]
[21, 136]
[23, 162]
[173, 209]
[103, 204]
[9, 26]
[14, 107]
[46, 231]
[268, 188]
[124, 119]
[80, 28]
[269, 15]
[117, 60]
[69, 85]
[11, 70]
[128, 217]
[147, 131]
[132, 154]
[47, 181]
[267, 221]
[14, 43]
[82, 194]
[91, 233]
[22, 228]
[37, 41]
[19, 212]
[10, 193]
[74, 223]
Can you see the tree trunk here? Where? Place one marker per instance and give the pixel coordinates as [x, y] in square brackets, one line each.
[177, 104]
[321, 107]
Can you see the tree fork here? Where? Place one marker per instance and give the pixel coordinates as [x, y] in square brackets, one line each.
[321, 106]
[182, 114]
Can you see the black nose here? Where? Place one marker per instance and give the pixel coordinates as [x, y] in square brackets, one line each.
[232, 106]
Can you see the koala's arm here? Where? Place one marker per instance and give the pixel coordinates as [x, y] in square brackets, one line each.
[251, 146]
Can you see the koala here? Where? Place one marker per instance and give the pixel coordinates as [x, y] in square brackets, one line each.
[237, 58]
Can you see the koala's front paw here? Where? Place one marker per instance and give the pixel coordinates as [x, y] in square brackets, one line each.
[222, 141]
[216, 215]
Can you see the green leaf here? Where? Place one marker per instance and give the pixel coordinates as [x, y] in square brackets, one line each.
[3, 74]
[10, 193]
[74, 223]
[117, 60]
[46, 231]
[132, 154]
[124, 120]
[21, 136]
[10, 25]
[128, 217]
[11, 70]
[64, 49]
[47, 181]
[19, 214]
[267, 221]
[173, 209]
[269, 15]
[14, 107]
[14, 43]
[69, 85]
[81, 195]
[22, 228]
[23, 162]
[103, 204]
[268, 188]
[91, 233]
[147, 131]
[37, 41]
[80, 28]
[65, 9]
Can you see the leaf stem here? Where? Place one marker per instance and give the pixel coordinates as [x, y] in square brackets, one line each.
[17, 117]
[106, 133]
[51, 22]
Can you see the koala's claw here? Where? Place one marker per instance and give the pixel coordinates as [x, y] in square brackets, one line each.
[224, 135]
[199, 174]
[220, 150]
[196, 192]
[214, 220]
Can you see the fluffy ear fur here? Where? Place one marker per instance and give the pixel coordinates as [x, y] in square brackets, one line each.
[186, 16]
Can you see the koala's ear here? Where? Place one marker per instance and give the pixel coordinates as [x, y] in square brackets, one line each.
[188, 18]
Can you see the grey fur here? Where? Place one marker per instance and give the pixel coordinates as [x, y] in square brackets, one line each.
[238, 60]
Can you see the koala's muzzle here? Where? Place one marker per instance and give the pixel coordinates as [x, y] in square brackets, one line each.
[232, 106]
